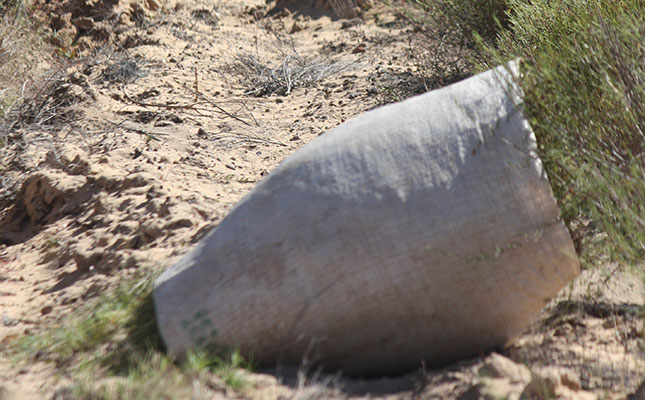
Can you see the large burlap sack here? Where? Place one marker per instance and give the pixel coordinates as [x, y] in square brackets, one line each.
[423, 230]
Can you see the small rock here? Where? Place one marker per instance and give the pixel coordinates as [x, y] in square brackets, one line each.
[179, 223]
[540, 388]
[83, 24]
[560, 377]
[60, 22]
[498, 366]
[46, 310]
[365, 4]
[570, 380]
[492, 389]
[152, 5]
[359, 49]
[283, 13]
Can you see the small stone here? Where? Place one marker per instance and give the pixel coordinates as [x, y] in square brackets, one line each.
[540, 388]
[570, 380]
[152, 5]
[359, 49]
[83, 24]
[365, 4]
[492, 389]
[179, 223]
[498, 366]
[283, 13]
[46, 310]
[60, 22]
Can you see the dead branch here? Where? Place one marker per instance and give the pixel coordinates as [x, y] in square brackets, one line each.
[149, 135]
[192, 106]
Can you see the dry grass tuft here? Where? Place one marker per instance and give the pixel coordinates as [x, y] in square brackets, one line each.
[264, 76]
[23, 53]
[316, 385]
[49, 105]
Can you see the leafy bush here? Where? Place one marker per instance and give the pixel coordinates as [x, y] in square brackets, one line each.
[464, 17]
[583, 78]
[584, 82]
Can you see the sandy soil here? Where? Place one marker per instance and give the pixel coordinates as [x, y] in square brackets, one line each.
[140, 149]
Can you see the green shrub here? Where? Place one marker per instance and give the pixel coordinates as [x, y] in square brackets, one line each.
[584, 83]
[464, 17]
[583, 75]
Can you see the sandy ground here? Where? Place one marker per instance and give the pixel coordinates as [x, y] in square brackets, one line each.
[142, 148]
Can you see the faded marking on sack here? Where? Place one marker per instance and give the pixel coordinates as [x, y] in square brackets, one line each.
[200, 329]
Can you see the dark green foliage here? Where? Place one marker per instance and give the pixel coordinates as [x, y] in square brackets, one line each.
[484, 17]
[583, 65]
[584, 81]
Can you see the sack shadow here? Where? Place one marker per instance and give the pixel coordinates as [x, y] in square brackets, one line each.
[306, 380]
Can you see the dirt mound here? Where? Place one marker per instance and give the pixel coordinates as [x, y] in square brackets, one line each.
[77, 27]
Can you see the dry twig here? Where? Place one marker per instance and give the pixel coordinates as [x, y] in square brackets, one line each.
[149, 135]
[192, 106]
